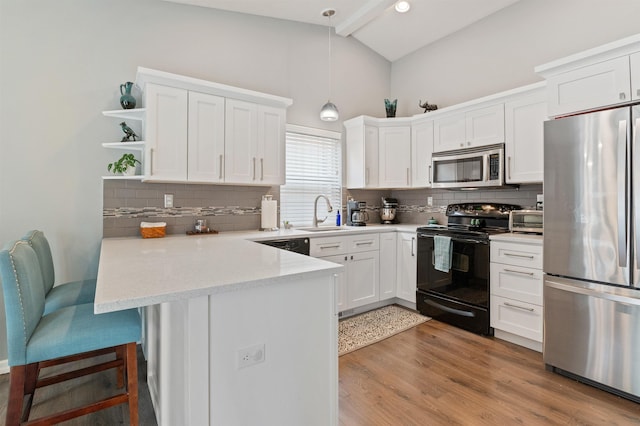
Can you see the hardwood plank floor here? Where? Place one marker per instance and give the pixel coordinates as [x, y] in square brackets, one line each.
[436, 374]
[432, 374]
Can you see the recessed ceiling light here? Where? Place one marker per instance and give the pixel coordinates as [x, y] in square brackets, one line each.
[403, 6]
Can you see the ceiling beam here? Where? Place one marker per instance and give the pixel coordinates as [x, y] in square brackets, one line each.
[367, 13]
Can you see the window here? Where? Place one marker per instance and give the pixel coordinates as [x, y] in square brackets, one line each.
[314, 167]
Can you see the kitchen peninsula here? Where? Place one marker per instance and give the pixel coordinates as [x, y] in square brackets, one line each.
[234, 332]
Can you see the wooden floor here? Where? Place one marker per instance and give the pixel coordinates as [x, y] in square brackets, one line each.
[435, 374]
[432, 374]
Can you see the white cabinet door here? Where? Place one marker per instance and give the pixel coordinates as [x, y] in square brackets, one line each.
[206, 138]
[602, 84]
[421, 150]
[241, 141]
[394, 153]
[341, 291]
[362, 156]
[166, 133]
[635, 76]
[363, 278]
[406, 266]
[271, 145]
[388, 249]
[485, 126]
[524, 138]
[449, 133]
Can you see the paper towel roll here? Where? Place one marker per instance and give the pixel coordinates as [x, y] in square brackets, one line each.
[269, 219]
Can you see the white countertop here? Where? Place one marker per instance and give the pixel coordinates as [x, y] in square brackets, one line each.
[518, 237]
[135, 272]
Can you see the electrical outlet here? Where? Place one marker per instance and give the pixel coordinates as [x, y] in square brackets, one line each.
[168, 201]
[430, 201]
[250, 355]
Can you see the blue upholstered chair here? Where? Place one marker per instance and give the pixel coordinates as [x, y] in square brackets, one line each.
[62, 295]
[36, 341]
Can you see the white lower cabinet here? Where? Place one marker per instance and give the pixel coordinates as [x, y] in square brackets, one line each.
[388, 250]
[406, 266]
[516, 292]
[360, 254]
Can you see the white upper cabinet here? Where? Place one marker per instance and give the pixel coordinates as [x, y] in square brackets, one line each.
[378, 152]
[602, 84]
[601, 77]
[394, 150]
[166, 133]
[474, 127]
[205, 132]
[206, 138]
[524, 137]
[421, 150]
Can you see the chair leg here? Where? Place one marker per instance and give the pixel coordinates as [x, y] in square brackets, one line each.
[17, 376]
[121, 355]
[31, 383]
[132, 382]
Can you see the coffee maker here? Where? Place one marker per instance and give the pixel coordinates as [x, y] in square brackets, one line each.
[356, 214]
[388, 210]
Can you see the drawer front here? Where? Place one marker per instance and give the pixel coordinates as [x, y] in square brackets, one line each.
[363, 242]
[520, 318]
[529, 256]
[327, 246]
[516, 282]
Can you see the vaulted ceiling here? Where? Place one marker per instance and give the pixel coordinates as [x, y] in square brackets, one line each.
[375, 23]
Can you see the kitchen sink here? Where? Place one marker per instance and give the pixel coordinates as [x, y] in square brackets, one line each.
[322, 229]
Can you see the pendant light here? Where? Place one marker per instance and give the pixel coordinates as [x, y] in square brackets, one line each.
[329, 111]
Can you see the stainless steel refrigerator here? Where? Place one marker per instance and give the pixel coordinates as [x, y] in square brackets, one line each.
[591, 248]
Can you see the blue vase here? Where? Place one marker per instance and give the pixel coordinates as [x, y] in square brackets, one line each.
[127, 100]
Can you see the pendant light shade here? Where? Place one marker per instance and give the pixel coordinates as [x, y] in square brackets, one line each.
[329, 111]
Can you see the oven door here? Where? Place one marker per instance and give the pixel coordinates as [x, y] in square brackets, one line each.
[460, 296]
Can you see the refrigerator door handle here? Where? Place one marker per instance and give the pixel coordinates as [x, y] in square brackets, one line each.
[636, 189]
[622, 195]
[600, 294]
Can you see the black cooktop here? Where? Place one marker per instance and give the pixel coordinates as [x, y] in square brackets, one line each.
[477, 219]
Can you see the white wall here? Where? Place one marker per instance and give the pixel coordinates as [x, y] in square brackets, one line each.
[61, 64]
[500, 52]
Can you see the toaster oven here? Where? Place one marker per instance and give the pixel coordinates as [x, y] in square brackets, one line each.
[526, 221]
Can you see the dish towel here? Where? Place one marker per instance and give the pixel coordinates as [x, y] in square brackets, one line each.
[443, 253]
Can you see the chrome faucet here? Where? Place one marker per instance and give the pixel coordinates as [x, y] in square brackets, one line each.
[316, 221]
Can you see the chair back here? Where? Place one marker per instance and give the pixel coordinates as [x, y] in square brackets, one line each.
[23, 297]
[40, 245]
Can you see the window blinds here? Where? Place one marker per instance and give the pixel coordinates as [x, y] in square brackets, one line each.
[314, 165]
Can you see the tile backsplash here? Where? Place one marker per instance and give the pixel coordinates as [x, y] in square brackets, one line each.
[126, 203]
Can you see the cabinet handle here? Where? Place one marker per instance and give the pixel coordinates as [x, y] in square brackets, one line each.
[509, 166]
[413, 239]
[221, 165]
[519, 255]
[262, 169]
[366, 176]
[519, 272]
[351, 257]
[254, 168]
[366, 243]
[518, 307]
[638, 92]
[151, 161]
[346, 258]
[430, 174]
[328, 247]
[623, 96]
[408, 177]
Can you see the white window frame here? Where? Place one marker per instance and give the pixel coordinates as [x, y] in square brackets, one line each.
[297, 199]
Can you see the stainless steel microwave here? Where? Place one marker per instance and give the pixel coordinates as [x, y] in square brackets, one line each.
[468, 168]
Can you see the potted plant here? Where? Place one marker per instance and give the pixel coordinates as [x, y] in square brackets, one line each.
[126, 165]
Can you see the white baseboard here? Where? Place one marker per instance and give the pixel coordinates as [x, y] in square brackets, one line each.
[4, 366]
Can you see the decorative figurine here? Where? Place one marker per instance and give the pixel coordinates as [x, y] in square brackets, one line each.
[390, 107]
[426, 106]
[127, 100]
[128, 132]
